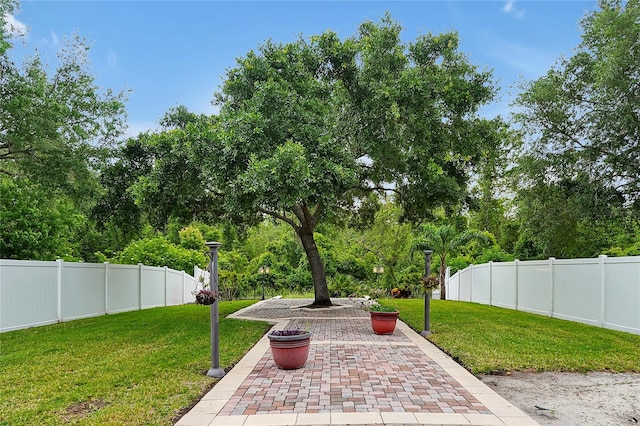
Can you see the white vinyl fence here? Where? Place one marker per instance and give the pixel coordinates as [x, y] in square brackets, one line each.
[34, 293]
[604, 291]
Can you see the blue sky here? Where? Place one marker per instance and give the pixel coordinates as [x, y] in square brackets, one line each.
[171, 53]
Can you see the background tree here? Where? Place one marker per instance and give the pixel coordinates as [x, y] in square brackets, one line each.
[389, 241]
[54, 126]
[445, 240]
[489, 203]
[568, 218]
[7, 7]
[579, 178]
[119, 218]
[586, 111]
[35, 226]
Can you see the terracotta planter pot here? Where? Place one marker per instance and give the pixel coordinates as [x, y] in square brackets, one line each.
[290, 352]
[383, 322]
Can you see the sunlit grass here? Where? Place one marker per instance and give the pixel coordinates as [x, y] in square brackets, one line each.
[142, 367]
[489, 339]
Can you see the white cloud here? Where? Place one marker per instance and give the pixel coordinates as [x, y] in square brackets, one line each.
[54, 38]
[13, 27]
[510, 8]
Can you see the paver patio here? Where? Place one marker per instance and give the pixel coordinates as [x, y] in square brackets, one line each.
[352, 376]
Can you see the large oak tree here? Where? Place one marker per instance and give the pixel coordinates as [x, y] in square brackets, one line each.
[310, 127]
[307, 127]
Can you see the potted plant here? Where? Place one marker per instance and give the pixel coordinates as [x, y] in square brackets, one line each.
[205, 296]
[383, 319]
[289, 347]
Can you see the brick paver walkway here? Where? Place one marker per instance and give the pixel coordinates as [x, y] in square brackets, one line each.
[352, 376]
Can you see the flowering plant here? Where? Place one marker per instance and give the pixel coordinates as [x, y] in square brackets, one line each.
[288, 332]
[429, 283]
[205, 296]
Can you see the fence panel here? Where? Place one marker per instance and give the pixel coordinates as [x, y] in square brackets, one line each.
[174, 287]
[453, 286]
[577, 290]
[83, 290]
[36, 293]
[28, 294]
[481, 279]
[622, 294]
[534, 287]
[465, 284]
[123, 288]
[152, 291]
[503, 288]
[604, 292]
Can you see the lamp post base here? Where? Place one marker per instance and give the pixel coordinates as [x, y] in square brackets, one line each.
[425, 333]
[215, 372]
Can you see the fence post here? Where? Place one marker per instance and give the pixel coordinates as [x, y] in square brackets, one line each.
[552, 278]
[183, 281]
[515, 268]
[603, 287]
[447, 279]
[106, 287]
[59, 263]
[471, 283]
[139, 286]
[491, 283]
[165, 286]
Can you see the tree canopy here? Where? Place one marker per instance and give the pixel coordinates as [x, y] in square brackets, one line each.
[54, 125]
[578, 183]
[583, 116]
[309, 127]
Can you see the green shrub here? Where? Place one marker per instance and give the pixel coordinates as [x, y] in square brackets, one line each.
[191, 238]
[343, 286]
[495, 254]
[157, 251]
[232, 285]
[352, 266]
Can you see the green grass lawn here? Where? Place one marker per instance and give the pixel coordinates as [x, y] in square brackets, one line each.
[486, 339]
[140, 367]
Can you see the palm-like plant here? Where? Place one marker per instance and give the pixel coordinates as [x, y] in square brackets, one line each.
[445, 240]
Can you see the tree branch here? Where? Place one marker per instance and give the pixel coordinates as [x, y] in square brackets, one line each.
[297, 210]
[317, 215]
[308, 217]
[377, 188]
[280, 216]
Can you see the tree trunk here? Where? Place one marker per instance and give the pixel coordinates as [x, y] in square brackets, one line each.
[317, 268]
[443, 274]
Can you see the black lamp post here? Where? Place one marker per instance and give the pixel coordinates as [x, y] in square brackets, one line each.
[215, 370]
[427, 293]
[262, 271]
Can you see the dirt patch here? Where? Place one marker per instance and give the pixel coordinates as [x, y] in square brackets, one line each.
[593, 399]
[83, 409]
